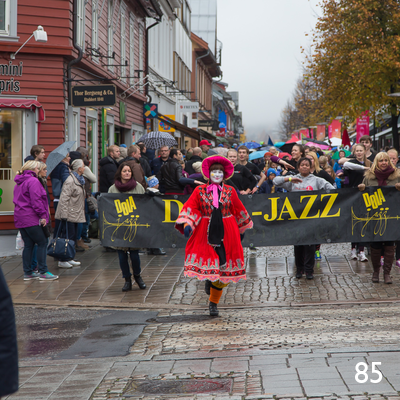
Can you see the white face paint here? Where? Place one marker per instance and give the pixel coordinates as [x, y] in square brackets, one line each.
[216, 176]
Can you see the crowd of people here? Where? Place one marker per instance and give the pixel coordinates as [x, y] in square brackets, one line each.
[138, 170]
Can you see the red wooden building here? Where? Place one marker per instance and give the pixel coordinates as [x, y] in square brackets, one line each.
[89, 42]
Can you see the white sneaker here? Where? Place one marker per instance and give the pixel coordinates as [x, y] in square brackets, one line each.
[74, 263]
[64, 264]
[362, 256]
[354, 254]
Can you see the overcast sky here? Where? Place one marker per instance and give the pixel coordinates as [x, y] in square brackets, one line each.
[261, 55]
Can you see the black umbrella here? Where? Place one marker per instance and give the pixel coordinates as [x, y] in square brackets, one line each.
[287, 147]
[155, 140]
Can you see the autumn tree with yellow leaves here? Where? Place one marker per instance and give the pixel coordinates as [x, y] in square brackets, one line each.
[355, 58]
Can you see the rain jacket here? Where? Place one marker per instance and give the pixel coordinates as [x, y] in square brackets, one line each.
[108, 168]
[310, 182]
[58, 176]
[30, 201]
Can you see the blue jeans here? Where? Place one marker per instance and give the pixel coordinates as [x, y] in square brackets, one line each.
[124, 263]
[34, 257]
[34, 235]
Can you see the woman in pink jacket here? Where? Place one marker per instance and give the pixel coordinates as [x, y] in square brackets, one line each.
[31, 213]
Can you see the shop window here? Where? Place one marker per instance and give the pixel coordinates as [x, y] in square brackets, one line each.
[10, 155]
[8, 20]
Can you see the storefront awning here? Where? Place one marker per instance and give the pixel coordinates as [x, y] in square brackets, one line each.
[27, 104]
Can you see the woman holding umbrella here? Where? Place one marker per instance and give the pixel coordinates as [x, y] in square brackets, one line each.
[215, 219]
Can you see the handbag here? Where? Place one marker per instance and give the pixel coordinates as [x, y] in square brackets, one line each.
[62, 249]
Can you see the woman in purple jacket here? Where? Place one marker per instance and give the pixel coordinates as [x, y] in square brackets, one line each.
[31, 212]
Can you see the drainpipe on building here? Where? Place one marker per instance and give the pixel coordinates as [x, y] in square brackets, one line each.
[70, 64]
[147, 65]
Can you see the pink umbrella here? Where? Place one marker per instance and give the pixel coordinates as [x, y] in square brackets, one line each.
[321, 146]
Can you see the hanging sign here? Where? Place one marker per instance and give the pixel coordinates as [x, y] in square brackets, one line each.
[362, 127]
[93, 96]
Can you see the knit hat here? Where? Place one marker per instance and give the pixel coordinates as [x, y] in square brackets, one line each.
[152, 181]
[75, 155]
[271, 171]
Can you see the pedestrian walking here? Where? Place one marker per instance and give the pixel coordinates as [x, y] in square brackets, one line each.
[354, 169]
[8, 342]
[382, 173]
[303, 181]
[214, 219]
[124, 182]
[71, 208]
[108, 168]
[31, 215]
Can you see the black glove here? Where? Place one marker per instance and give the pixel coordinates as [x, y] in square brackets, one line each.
[187, 231]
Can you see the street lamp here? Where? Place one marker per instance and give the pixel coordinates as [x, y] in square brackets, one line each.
[40, 36]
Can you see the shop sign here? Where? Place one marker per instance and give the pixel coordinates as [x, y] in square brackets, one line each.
[163, 125]
[122, 112]
[189, 106]
[150, 110]
[195, 123]
[209, 123]
[10, 84]
[93, 96]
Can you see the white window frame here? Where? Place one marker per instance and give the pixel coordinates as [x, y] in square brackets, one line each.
[95, 28]
[123, 42]
[80, 24]
[10, 33]
[141, 49]
[132, 49]
[92, 114]
[110, 35]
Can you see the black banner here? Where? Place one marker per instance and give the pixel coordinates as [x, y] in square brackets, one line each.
[93, 95]
[344, 215]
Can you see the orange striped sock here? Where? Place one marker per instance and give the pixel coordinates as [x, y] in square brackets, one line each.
[215, 295]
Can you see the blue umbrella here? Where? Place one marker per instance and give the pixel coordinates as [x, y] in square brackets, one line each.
[57, 155]
[257, 154]
[279, 144]
[252, 145]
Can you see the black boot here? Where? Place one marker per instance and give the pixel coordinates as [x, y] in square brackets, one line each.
[213, 309]
[139, 281]
[128, 285]
[207, 287]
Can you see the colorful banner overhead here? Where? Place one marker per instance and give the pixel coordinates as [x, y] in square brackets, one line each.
[304, 133]
[362, 127]
[321, 132]
[335, 129]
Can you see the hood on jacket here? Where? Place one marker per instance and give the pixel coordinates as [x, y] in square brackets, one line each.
[20, 179]
[107, 160]
[29, 158]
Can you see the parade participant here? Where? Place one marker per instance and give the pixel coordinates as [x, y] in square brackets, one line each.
[243, 156]
[195, 157]
[124, 182]
[297, 153]
[337, 166]
[31, 213]
[215, 218]
[316, 168]
[133, 159]
[304, 181]
[242, 177]
[354, 169]
[382, 173]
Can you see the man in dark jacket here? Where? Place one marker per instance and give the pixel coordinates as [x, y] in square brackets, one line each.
[108, 168]
[171, 172]
[8, 342]
[133, 160]
[144, 161]
[37, 153]
[158, 162]
[58, 176]
[196, 157]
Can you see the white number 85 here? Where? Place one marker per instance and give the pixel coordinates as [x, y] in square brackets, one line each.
[363, 372]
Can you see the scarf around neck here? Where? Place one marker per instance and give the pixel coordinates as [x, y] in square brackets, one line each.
[214, 188]
[80, 178]
[383, 175]
[125, 187]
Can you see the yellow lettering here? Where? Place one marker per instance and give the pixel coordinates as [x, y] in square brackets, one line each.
[118, 206]
[381, 197]
[287, 209]
[168, 209]
[332, 198]
[307, 208]
[274, 209]
[374, 202]
[132, 204]
[125, 209]
[378, 200]
[366, 200]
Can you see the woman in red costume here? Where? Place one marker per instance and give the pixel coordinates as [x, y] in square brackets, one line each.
[215, 219]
